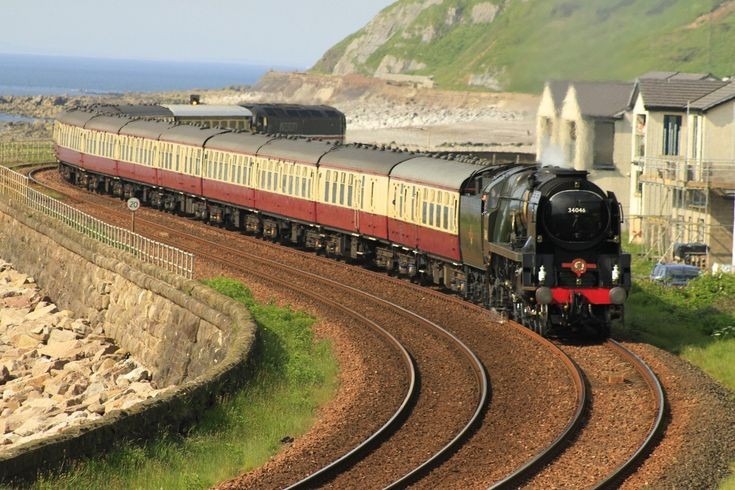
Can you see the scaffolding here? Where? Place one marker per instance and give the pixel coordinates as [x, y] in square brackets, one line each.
[678, 207]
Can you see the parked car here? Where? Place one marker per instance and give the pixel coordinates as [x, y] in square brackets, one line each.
[674, 274]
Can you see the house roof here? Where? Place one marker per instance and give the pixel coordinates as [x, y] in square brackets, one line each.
[558, 89]
[603, 99]
[719, 96]
[673, 93]
[677, 75]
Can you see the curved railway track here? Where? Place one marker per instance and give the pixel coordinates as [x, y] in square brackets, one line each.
[607, 447]
[449, 454]
[380, 444]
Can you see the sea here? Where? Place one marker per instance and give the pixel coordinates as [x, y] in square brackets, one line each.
[22, 74]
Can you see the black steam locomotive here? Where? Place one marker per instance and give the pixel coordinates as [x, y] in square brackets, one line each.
[551, 249]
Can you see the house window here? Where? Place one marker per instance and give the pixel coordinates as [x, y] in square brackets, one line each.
[604, 144]
[640, 135]
[696, 128]
[672, 129]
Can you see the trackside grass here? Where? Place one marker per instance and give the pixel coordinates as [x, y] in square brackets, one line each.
[696, 322]
[295, 375]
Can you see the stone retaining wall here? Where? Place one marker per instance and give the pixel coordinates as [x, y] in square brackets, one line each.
[185, 333]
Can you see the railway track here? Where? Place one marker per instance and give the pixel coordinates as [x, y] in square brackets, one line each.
[460, 449]
[464, 390]
[609, 444]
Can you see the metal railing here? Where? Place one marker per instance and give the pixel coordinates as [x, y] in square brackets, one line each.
[16, 191]
[34, 151]
[681, 170]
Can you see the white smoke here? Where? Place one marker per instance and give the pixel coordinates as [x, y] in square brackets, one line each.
[553, 156]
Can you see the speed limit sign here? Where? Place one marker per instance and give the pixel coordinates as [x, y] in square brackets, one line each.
[133, 203]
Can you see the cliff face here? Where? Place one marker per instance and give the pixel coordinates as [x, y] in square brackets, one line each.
[517, 44]
[379, 49]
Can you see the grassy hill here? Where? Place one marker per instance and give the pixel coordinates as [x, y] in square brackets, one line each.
[518, 44]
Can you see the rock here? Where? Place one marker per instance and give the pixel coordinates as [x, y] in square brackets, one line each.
[137, 374]
[41, 310]
[62, 350]
[45, 404]
[59, 335]
[30, 426]
[141, 389]
[25, 341]
[12, 316]
[81, 327]
[41, 332]
[57, 371]
[55, 386]
[4, 375]
[45, 365]
[97, 408]
[103, 350]
[106, 366]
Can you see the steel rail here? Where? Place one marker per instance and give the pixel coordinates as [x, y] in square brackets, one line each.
[657, 424]
[546, 454]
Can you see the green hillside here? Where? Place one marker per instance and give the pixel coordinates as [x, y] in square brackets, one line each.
[518, 44]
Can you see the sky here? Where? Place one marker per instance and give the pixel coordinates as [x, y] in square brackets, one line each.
[278, 33]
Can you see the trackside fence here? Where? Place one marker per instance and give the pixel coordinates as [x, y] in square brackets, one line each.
[38, 151]
[16, 192]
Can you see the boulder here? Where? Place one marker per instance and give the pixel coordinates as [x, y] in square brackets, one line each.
[5, 375]
[62, 350]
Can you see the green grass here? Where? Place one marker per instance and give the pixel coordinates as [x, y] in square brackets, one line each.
[295, 375]
[696, 322]
[536, 40]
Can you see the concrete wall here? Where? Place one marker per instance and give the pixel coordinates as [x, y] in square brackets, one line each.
[191, 337]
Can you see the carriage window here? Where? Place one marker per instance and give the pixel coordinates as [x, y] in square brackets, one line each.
[326, 186]
[454, 214]
[342, 188]
[431, 214]
[290, 185]
[350, 184]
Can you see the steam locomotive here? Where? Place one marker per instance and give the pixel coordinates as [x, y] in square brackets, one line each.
[542, 244]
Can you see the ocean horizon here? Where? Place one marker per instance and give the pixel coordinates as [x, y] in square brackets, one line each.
[22, 74]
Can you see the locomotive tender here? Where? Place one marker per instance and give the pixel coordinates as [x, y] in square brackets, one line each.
[313, 121]
[542, 244]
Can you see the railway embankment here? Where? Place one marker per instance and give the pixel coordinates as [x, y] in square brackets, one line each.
[193, 341]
